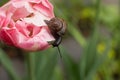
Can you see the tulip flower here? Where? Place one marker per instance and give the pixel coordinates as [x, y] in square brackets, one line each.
[22, 24]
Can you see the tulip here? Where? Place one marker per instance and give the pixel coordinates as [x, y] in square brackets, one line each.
[22, 24]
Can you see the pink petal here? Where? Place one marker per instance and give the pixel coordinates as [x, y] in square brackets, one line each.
[23, 10]
[4, 19]
[22, 24]
[33, 30]
[45, 7]
[21, 27]
[32, 1]
[6, 36]
[38, 42]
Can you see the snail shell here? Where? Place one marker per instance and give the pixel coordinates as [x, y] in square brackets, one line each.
[56, 26]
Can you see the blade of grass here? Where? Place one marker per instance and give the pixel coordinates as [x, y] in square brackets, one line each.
[95, 36]
[46, 68]
[6, 62]
[76, 34]
[99, 61]
[119, 33]
[90, 52]
[41, 58]
[88, 57]
[36, 60]
[58, 74]
[30, 61]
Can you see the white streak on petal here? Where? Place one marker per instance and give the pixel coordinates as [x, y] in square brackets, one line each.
[37, 19]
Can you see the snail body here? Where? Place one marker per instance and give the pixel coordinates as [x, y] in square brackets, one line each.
[57, 28]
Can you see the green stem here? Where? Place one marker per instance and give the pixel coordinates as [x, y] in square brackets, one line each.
[30, 66]
[95, 37]
[119, 12]
[118, 28]
[97, 15]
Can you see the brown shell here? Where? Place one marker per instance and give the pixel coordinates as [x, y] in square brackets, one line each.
[56, 25]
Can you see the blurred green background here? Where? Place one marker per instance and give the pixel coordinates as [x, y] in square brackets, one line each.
[90, 49]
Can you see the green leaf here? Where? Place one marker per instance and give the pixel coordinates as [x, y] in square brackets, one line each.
[30, 65]
[6, 62]
[58, 73]
[46, 62]
[89, 56]
[99, 61]
[76, 34]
